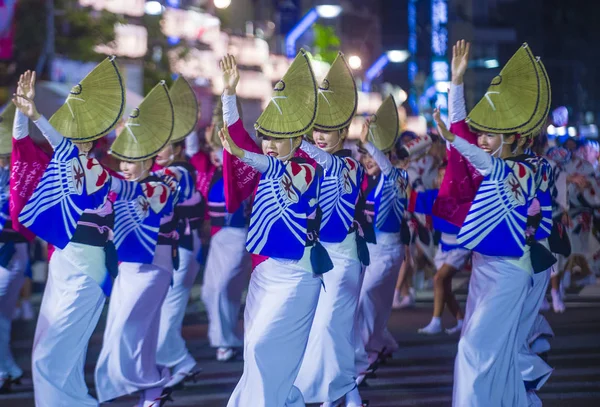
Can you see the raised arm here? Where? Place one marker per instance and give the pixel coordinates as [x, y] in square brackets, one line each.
[20, 126]
[380, 158]
[481, 160]
[260, 162]
[192, 144]
[24, 100]
[460, 62]
[322, 158]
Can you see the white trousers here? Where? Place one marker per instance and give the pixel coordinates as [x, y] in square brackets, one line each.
[533, 368]
[375, 302]
[226, 275]
[280, 307]
[328, 371]
[69, 313]
[127, 361]
[172, 349]
[11, 281]
[486, 372]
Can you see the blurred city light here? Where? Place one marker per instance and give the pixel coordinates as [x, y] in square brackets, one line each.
[561, 131]
[153, 8]
[329, 11]
[398, 56]
[355, 62]
[491, 63]
[222, 3]
[551, 130]
[442, 86]
[572, 132]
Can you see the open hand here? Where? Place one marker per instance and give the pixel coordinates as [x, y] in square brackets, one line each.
[442, 129]
[231, 75]
[228, 144]
[23, 99]
[460, 60]
[364, 134]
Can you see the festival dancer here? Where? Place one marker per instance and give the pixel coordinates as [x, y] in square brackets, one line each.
[534, 370]
[560, 244]
[288, 259]
[13, 253]
[327, 374]
[450, 257]
[486, 369]
[172, 351]
[385, 190]
[144, 210]
[228, 263]
[70, 210]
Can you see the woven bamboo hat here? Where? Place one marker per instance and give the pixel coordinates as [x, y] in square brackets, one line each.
[148, 129]
[94, 106]
[293, 107]
[545, 102]
[513, 99]
[185, 106]
[6, 128]
[385, 125]
[338, 97]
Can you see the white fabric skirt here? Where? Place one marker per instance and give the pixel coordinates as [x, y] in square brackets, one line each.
[375, 301]
[11, 281]
[69, 313]
[226, 275]
[533, 368]
[486, 372]
[328, 370]
[127, 362]
[280, 307]
[172, 349]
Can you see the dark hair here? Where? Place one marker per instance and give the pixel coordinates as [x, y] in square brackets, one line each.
[180, 144]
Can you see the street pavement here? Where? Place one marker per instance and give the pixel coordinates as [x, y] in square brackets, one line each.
[420, 374]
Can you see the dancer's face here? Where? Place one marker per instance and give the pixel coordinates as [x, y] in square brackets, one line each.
[330, 142]
[133, 171]
[166, 156]
[216, 157]
[370, 165]
[489, 142]
[280, 148]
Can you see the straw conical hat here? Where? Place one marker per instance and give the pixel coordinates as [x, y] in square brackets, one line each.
[513, 98]
[185, 106]
[338, 97]
[6, 127]
[148, 129]
[94, 106]
[293, 107]
[545, 101]
[385, 125]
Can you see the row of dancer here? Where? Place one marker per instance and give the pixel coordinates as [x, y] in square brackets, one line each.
[121, 234]
[142, 216]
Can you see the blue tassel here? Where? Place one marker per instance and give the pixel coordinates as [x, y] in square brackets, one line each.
[363, 250]
[541, 258]
[319, 259]
[111, 258]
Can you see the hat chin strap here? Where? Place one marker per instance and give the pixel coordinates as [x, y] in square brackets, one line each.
[499, 149]
[142, 173]
[287, 157]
